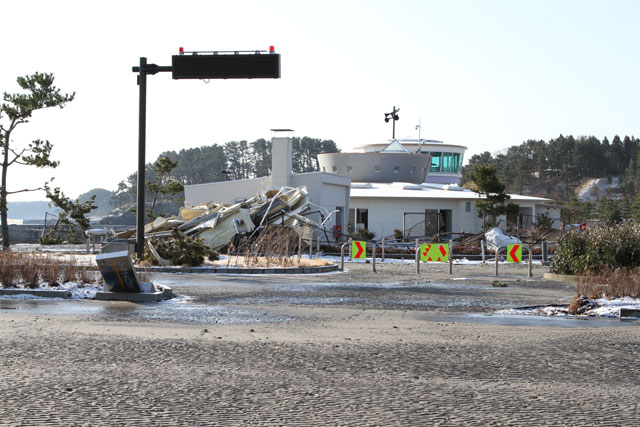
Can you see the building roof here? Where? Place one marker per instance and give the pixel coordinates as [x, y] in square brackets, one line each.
[403, 190]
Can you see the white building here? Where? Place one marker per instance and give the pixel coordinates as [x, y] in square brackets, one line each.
[411, 185]
[397, 186]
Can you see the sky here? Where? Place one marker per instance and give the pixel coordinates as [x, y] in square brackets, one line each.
[483, 74]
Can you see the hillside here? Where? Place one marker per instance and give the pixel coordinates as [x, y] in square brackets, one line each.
[102, 201]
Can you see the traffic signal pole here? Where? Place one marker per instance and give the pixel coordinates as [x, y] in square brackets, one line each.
[229, 65]
[143, 70]
[142, 137]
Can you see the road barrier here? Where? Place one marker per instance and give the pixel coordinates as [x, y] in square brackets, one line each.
[353, 242]
[512, 253]
[449, 254]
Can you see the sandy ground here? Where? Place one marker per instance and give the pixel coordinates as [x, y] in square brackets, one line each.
[393, 349]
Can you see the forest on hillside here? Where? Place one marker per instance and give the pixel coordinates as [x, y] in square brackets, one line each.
[556, 168]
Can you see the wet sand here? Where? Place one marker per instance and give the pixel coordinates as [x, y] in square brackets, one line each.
[348, 355]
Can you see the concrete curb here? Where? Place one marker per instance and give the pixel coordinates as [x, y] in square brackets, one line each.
[562, 277]
[227, 270]
[37, 292]
[161, 292]
[130, 296]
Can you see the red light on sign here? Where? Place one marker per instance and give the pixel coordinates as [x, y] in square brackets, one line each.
[272, 49]
[181, 50]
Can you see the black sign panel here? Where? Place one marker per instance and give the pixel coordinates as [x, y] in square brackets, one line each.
[118, 272]
[239, 66]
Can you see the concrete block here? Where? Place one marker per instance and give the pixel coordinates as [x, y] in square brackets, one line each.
[45, 293]
[130, 296]
[629, 313]
[167, 292]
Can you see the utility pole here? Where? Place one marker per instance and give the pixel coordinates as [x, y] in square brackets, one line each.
[393, 115]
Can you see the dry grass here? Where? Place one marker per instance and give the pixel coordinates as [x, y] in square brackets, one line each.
[610, 283]
[276, 247]
[31, 271]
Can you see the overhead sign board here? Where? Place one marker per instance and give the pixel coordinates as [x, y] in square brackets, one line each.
[226, 66]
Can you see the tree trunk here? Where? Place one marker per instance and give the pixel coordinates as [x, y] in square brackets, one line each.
[3, 193]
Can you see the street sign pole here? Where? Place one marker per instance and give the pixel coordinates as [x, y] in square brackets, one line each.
[142, 129]
[229, 65]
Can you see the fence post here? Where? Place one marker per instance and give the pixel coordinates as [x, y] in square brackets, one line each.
[311, 247]
[318, 249]
[545, 251]
[482, 249]
[450, 256]
[383, 249]
[373, 255]
[417, 257]
[299, 246]
[530, 260]
[342, 254]
[497, 252]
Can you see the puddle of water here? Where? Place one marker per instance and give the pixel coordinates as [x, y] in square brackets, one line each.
[453, 302]
[180, 313]
[524, 320]
[52, 306]
[201, 314]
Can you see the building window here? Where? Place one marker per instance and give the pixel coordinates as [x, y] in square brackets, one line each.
[435, 162]
[377, 169]
[413, 169]
[446, 162]
[455, 164]
[335, 169]
[468, 207]
[349, 168]
[362, 218]
[396, 169]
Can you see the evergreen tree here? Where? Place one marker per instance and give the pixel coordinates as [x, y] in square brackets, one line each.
[18, 108]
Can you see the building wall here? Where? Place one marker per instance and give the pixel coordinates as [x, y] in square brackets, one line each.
[377, 167]
[224, 191]
[330, 191]
[386, 214]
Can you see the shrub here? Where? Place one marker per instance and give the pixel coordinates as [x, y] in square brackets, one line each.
[362, 234]
[30, 271]
[181, 250]
[610, 283]
[595, 249]
[8, 269]
[51, 269]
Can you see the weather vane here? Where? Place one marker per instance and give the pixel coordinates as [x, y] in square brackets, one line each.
[393, 115]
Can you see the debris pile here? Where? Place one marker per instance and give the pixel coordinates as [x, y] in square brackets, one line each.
[219, 225]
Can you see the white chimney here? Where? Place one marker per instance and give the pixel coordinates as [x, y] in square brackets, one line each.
[281, 159]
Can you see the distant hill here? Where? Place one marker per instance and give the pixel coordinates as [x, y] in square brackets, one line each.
[102, 201]
[30, 210]
[36, 210]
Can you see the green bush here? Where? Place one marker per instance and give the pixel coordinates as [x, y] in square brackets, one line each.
[362, 234]
[597, 248]
[181, 250]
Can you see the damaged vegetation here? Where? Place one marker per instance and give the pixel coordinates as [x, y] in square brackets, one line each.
[30, 271]
[267, 229]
